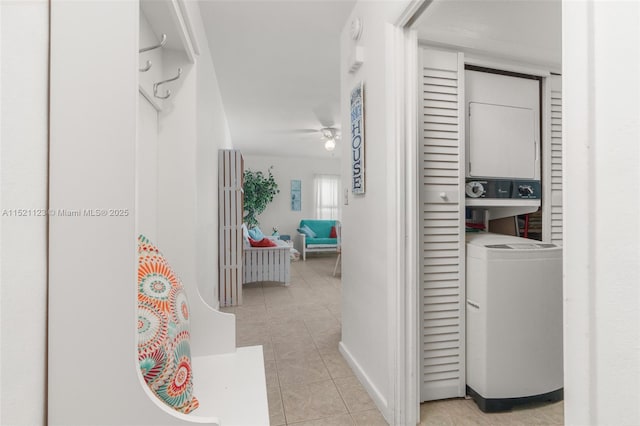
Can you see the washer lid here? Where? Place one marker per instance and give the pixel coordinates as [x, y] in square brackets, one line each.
[507, 242]
[521, 246]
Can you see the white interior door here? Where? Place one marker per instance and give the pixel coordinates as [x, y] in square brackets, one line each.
[147, 170]
[441, 214]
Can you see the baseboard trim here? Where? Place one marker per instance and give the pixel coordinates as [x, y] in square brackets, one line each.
[372, 390]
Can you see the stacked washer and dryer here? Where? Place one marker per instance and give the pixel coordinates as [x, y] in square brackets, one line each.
[513, 285]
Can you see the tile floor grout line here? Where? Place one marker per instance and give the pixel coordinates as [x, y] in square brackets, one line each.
[341, 397]
[275, 361]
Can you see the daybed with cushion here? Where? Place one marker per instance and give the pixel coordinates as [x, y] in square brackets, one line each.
[264, 258]
[319, 235]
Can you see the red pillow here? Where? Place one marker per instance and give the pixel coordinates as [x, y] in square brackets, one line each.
[333, 233]
[265, 242]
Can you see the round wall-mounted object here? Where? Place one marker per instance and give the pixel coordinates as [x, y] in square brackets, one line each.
[474, 189]
[356, 28]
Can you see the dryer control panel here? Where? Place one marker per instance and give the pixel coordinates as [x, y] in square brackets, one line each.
[503, 188]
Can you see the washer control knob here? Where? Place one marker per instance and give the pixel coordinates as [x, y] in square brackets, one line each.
[474, 189]
[525, 190]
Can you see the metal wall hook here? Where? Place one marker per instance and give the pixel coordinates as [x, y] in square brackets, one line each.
[168, 93]
[162, 43]
[146, 67]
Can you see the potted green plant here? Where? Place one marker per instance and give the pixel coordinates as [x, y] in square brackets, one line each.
[259, 191]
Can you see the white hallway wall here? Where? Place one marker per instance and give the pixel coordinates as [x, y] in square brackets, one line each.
[279, 212]
[369, 221]
[23, 243]
[212, 134]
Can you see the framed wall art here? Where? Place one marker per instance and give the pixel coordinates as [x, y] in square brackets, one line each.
[296, 195]
[357, 139]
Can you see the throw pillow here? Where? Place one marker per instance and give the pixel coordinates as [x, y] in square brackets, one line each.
[333, 233]
[256, 234]
[245, 233]
[164, 351]
[304, 229]
[265, 242]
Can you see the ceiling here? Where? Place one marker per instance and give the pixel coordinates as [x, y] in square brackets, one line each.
[523, 30]
[277, 64]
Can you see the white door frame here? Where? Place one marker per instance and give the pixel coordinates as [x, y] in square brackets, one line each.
[406, 309]
[404, 293]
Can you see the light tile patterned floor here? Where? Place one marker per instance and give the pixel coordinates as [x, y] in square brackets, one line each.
[462, 412]
[308, 381]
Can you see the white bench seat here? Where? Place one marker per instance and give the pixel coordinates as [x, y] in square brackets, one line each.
[232, 387]
[266, 263]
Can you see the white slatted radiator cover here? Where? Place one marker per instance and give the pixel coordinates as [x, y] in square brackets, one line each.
[266, 264]
[442, 281]
[555, 228]
[230, 172]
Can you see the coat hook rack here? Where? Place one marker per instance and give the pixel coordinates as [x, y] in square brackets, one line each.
[168, 93]
[162, 43]
[146, 68]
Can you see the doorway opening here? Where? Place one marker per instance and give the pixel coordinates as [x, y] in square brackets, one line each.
[473, 61]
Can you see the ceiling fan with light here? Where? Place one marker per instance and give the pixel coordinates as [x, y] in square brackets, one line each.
[330, 135]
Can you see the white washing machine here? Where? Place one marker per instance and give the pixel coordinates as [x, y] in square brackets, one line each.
[514, 321]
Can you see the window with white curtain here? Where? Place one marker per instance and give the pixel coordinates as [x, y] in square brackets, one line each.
[327, 196]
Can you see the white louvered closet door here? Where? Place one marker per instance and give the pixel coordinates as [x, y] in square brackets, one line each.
[552, 219]
[442, 284]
